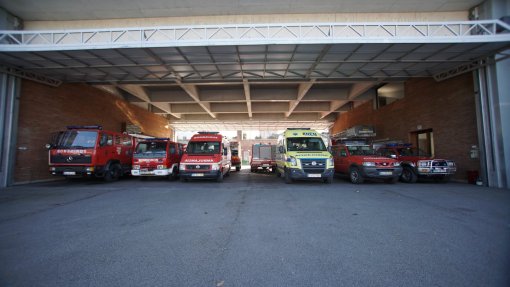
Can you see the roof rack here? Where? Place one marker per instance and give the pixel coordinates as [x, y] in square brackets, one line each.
[96, 127]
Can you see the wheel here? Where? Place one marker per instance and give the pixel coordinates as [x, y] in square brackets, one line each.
[355, 175]
[113, 172]
[328, 180]
[288, 179]
[238, 168]
[220, 177]
[174, 174]
[408, 175]
[392, 180]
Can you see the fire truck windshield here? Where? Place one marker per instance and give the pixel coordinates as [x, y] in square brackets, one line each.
[150, 149]
[203, 148]
[361, 150]
[76, 139]
[305, 144]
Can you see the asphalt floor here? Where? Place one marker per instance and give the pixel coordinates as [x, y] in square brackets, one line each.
[253, 230]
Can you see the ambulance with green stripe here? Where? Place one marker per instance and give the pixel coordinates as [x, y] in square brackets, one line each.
[302, 154]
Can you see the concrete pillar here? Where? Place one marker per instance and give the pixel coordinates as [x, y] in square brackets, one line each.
[9, 105]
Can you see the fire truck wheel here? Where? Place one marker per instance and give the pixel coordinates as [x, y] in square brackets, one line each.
[408, 175]
[174, 174]
[288, 179]
[355, 175]
[220, 177]
[113, 172]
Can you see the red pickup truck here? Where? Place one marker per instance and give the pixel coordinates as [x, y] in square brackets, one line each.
[416, 164]
[263, 156]
[359, 161]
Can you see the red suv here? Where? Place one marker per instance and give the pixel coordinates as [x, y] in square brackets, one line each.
[359, 161]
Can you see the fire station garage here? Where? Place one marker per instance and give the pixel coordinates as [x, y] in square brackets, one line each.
[432, 79]
[432, 74]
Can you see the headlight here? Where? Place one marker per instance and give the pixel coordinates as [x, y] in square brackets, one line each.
[396, 163]
[215, 167]
[90, 168]
[451, 163]
[161, 166]
[182, 167]
[136, 167]
[330, 161]
[53, 168]
[424, 163]
[293, 161]
[368, 163]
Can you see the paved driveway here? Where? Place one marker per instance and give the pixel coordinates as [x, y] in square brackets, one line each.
[253, 230]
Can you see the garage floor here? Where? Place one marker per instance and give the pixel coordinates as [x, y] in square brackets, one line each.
[253, 230]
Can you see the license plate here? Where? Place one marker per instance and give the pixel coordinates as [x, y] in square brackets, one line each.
[385, 173]
[197, 174]
[69, 173]
[314, 175]
[265, 165]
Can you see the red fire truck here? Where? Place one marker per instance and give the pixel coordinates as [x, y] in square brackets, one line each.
[353, 156]
[417, 164]
[208, 156]
[263, 156]
[157, 157]
[90, 151]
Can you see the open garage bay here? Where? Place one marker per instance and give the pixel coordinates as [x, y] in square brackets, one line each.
[253, 230]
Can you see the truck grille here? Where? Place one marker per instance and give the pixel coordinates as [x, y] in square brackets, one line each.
[70, 159]
[384, 164]
[198, 167]
[313, 165]
[439, 163]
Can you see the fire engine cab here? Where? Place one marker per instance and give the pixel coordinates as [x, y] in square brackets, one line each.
[157, 157]
[355, 157]
[90, 151]
[208, 156]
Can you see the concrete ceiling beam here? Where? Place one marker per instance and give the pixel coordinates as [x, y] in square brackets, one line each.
[247, 95]
[302, 90]
[192, 91]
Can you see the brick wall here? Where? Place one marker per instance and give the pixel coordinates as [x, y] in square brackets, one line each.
[45, 109]
[448, 108]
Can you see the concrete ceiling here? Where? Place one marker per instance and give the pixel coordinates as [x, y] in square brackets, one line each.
[34, 10]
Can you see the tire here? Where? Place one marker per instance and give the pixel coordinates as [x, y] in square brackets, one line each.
[174, 174]
[288, 179]
[355, 176]
[392, 180]
[220, 177]
[408, 175]
[238, 168]
[113, 172]
[328, 180]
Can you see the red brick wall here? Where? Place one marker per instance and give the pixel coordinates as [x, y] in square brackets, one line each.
[448, 108]
[45, 109]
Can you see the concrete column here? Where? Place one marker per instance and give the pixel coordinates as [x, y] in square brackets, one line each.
[493, 106]
[9, 105]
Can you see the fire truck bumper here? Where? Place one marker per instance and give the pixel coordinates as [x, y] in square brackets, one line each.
[296, 173]
[374, 172]
[208, 174]
[75, 170]
[155, 172]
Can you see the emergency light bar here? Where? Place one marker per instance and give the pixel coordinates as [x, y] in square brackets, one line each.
[85, 127]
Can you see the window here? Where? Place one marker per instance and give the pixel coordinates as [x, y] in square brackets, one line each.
[127, 141]
[172, 149]
[117, 140]
[424, 141]
[388, 94]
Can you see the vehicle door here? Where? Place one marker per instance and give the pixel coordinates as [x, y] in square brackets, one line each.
[106, 150]
[342, 161]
